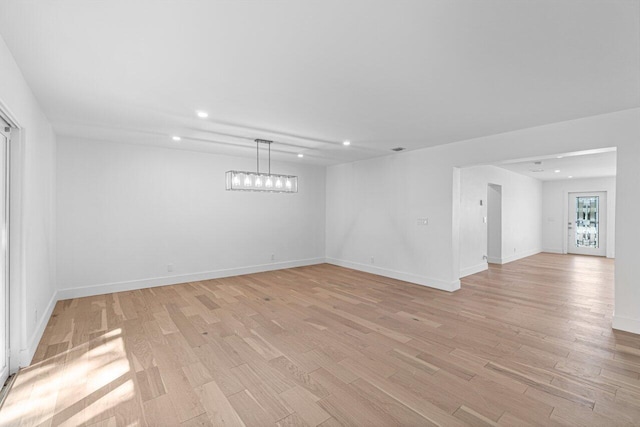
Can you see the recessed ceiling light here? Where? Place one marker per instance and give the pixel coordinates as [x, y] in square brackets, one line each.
[557, 171]
[570, 176]
[559, 157]
[202, 114]
[301, 155]
[176, 138]
[346, 142]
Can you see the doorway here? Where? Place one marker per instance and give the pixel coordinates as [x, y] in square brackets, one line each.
[494, 224]
[587, 225]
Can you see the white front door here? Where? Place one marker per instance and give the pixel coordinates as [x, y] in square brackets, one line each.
[587, 226]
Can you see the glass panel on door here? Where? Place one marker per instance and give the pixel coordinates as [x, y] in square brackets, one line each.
[587, 222]
[587, 225]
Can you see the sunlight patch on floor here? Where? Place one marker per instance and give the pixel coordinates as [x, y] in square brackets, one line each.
[95, 378]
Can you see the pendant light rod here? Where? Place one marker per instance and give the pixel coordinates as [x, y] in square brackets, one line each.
[258, 142]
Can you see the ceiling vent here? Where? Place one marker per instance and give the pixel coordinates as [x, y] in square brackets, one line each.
[397, 149]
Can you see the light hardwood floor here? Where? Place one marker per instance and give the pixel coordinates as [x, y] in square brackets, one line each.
[529, 342]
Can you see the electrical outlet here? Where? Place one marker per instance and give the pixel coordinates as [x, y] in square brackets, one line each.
[514, 249]
[169, 268]
[36, 316]
[372, 260]
[273, 257]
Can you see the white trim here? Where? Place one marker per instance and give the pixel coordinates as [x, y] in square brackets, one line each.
[515, 257]
[26, 354]
[474, 269]
[17, 334]
[17, 232]
[8, 115]
[520, 255]
[107, 288]
[399, 275]
[626, 324]
[553, 250]
[5, 230]
[4, 374]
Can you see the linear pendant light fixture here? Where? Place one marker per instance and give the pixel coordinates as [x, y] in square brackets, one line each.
[256, 181]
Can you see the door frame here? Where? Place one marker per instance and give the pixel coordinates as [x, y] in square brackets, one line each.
[6, 133]
[565, 220]
[16, 289]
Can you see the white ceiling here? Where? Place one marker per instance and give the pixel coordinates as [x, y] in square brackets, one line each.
[590, 164]
[311, 74]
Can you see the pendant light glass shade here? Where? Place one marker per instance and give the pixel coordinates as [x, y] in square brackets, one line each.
[256, 181]
[251, 181]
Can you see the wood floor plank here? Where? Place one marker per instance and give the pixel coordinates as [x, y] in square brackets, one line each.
[305, 405]
[217, 406]
[184, 399]
[344, 404]
[250, 411]
[293, 420]
[471, 417]
[266, 397]
[160, 412]
[404, 415]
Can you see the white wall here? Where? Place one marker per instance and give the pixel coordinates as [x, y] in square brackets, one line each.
[372, 205]
[494, 229]
[373, 208]
[521, 209]
[627, 294]
[32, 212]
[555, 211]
[125, 212]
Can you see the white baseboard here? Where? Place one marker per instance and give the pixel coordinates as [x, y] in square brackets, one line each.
[514, 257]
[553, 250]
[26, 354]
[399, 275]
[626, 324]
[561, 252]
[107, 288]
[468, 271]
[520, 255]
